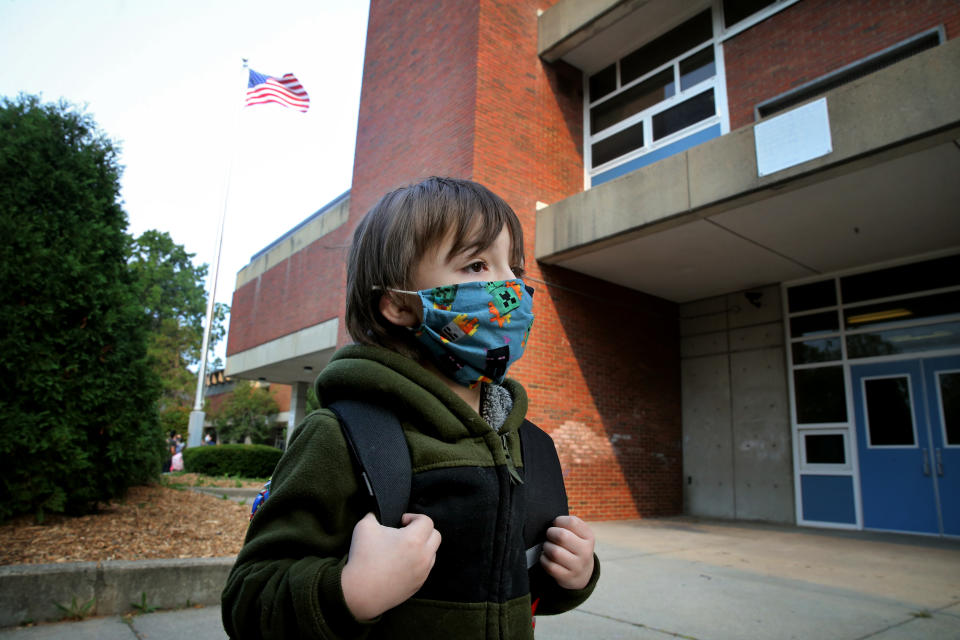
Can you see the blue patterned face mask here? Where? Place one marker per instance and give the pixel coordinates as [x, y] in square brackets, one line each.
[474, 331]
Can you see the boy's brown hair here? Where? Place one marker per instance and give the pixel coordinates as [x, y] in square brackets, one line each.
[399, 229]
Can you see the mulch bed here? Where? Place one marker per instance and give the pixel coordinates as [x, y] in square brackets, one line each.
[164, 520]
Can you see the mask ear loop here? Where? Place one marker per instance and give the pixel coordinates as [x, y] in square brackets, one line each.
[379, 288]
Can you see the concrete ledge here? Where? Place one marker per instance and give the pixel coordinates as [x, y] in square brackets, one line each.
[32, 592]
[908, 106]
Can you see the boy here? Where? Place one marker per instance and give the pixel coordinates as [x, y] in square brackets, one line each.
[430, 265]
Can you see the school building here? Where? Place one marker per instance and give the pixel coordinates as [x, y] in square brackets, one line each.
[743, 228]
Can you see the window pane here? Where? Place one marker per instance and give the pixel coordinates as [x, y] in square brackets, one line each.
[919, 276]
[603, 82]
[825, 448]
[823, 350]
[811, 296]
[813, 324]
[618, 144]
[907, 340]
[736, 10]
[697, 68]
[950, 403]
[670, 45]
[889, 414]
[820, 395]
[880, 315]
[633, 100]
[692, 111]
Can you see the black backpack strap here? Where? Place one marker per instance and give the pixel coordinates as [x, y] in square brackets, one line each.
[544, 493]
[380, 450]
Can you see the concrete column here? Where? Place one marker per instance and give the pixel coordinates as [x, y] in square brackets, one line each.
[298, 406]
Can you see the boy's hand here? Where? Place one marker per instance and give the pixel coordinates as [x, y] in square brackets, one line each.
[568, 552]
[386, 566]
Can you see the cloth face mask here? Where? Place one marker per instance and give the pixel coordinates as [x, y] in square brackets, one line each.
[474, 331]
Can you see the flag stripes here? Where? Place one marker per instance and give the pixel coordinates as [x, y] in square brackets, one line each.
[286, 91]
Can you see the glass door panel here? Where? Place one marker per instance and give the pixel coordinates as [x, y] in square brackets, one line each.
[893, 443]
[942, 376]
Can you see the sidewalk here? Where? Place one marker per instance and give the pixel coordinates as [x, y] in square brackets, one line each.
[705, 580]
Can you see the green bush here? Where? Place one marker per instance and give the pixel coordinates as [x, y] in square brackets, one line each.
[77, 396]
[245, 460]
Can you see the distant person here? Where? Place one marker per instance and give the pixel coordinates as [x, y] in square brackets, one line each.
[171, 448]
[436, 302]
[208, 440]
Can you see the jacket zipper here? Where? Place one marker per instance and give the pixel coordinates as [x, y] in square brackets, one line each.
[511, 468]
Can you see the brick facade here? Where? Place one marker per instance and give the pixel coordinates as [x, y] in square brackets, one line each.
[303, 290]
[457, 89]
[815, 37]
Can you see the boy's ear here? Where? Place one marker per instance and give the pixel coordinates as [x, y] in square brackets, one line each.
[393, 308]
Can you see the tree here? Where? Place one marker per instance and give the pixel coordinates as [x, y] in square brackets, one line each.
[77, 397]
[248, 412]
[172, 292]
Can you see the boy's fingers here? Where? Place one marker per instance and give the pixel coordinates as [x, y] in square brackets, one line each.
[574, 524]
[422, 525]
[559, 555]
[416, 520]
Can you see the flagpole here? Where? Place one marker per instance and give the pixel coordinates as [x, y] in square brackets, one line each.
[195, 428]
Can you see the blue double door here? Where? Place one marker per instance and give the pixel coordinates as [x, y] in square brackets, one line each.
[908, 443]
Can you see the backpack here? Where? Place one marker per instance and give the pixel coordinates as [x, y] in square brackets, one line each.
[379, 449]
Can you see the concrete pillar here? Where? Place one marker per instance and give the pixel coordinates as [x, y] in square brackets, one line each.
[298, 406]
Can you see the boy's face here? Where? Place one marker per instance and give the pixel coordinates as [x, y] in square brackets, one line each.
[439, 268]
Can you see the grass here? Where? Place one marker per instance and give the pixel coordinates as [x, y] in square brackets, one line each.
[76, 610]
[143, 606]
[182, 480]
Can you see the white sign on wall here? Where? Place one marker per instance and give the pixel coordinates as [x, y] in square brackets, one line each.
[792, 138]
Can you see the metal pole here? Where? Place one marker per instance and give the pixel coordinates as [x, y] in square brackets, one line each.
[195, 428]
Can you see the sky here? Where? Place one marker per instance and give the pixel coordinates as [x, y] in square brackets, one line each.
[165, 80]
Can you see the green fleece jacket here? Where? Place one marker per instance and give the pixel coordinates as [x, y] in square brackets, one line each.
[286, 580]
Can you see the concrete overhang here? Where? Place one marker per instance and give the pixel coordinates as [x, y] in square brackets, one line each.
[296, 357]
[588, 34]
[703, 222]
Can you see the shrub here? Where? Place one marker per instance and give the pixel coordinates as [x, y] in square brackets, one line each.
[77, 397]
[245, 460]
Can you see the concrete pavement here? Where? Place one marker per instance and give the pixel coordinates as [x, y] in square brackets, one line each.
[706, 580]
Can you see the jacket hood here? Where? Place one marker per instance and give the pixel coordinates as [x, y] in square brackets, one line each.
[415, 394]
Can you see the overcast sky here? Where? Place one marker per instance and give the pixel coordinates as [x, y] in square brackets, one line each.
[164, 79]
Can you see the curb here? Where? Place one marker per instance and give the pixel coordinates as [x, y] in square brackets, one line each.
[31, 592]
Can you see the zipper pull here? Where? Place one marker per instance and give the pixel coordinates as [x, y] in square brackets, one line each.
[514, 476]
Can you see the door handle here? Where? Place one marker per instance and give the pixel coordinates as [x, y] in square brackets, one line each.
[939, 462]
[926, 462]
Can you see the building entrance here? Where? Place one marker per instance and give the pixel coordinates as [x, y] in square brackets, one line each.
[907, 415]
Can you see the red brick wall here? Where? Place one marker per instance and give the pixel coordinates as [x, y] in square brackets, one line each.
[417, 99]
[455, 88]
[602, 369]
[304, 290]
[814, 37]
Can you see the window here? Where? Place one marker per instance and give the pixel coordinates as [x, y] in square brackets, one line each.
[824, 448]
[888, 411]
[812, 296]
[820, 395]
[659, 94]
[948, 384]
[736, 10]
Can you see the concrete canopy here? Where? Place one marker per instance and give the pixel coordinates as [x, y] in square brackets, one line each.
[703, 223]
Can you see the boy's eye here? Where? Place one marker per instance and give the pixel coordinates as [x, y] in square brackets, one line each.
[476, 267]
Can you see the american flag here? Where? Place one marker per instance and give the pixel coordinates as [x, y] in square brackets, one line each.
[285, 90]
